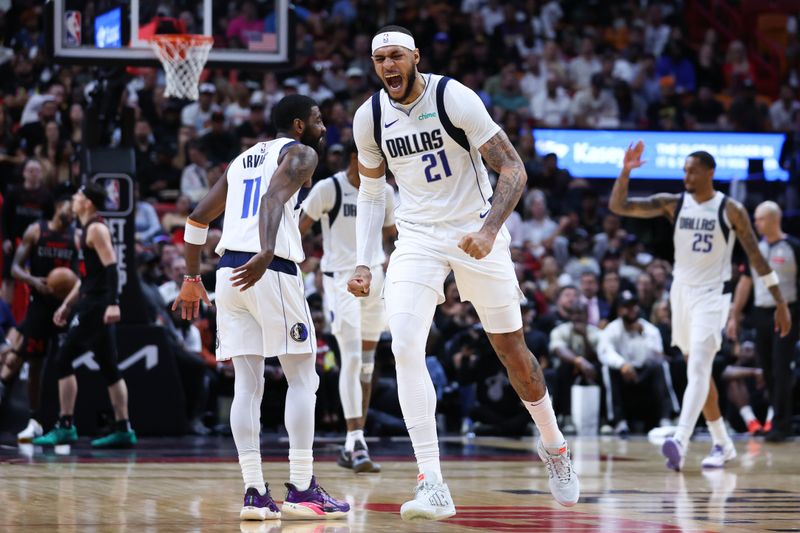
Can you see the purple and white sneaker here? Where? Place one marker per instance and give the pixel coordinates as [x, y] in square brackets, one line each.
[674, 452]
[312, 504]
[258, 507]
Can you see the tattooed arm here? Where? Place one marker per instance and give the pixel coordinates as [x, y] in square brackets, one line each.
[740, 221]
[650, 207]
[501, 156]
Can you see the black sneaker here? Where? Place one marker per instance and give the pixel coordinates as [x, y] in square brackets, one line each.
[361, 460]
[345, 459]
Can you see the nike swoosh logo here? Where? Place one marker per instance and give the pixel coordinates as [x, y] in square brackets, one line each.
[385, 125]
[483, 215]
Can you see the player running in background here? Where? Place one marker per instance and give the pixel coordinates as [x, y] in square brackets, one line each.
[705, 222]
[96, 301]
[46, 245]
[431, 131]
[262, 311]
[356, 323]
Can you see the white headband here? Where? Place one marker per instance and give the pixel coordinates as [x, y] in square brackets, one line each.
[393, 38]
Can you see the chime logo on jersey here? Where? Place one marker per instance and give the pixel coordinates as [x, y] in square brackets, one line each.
[299, 332]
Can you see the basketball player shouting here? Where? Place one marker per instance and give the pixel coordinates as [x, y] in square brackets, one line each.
[431, 132]
[262, 311]
[45, 245]
[701, 294]
[92, 326]
[356, 324]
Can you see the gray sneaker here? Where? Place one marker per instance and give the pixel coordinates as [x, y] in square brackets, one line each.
[432, 500]
[564, 483]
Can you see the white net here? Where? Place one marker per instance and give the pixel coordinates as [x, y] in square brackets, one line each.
[183, 58]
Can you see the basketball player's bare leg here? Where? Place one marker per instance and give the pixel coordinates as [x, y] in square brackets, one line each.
[118, 393]
[527, 378]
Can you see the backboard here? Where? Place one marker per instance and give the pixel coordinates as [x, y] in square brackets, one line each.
[247, 33]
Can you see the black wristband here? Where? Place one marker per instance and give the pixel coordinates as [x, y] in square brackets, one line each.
[112, 280]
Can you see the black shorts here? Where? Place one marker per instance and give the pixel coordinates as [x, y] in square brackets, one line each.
[87, 331]
[38, 329]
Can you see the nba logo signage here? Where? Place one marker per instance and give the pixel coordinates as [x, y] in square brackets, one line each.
[72, 29]
[119, 194]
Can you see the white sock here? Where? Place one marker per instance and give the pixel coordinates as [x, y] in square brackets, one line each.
[545, 419]
[250, 462]
[747, 414]
[352, 437]
[770, 414]
[719, 434]
[426, 445]
[301, 468]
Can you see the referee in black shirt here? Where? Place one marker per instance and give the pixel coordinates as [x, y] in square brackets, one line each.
[92, 326]
[776, 353]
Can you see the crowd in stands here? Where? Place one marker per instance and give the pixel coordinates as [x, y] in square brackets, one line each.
[597, 309]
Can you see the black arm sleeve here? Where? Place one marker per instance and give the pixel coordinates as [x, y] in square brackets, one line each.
[112, 280]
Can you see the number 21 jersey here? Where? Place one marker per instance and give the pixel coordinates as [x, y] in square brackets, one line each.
[703, 241]
[249, 176]
[431, 147]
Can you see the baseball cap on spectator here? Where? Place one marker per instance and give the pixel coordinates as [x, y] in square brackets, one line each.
[578, 235]
[354, 72]
[291, 82]
[207, 88]
[336, 149]
[441, 37]
[627, 298]
[257, 99]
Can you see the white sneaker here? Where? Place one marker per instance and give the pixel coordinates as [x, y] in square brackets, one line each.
[564, 483]
[675, 453]
[431, 501]
[33, 430]
[720, 454]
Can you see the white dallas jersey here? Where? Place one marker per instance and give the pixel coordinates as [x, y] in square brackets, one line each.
[333, 201]
[703, 241]
[431, 147]
[249, 176]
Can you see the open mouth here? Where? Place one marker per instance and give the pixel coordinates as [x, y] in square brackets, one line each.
[394, 81]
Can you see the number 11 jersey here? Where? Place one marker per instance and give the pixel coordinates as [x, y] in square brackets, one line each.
[703, 240]
[431, 147]
[249, 176]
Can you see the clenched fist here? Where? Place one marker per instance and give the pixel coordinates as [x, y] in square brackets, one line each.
[359, 282]
[477, 244]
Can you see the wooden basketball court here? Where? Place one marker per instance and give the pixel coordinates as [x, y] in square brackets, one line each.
[499, 485]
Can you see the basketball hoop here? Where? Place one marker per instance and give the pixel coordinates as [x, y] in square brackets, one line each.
[183, 57]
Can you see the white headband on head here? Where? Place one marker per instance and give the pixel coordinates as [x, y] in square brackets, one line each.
[393, 38]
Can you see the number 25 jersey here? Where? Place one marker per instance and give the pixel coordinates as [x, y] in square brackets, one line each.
[431, 147]
[703, 240]
[249, 176]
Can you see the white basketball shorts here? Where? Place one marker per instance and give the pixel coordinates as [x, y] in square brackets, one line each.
[426, 253]
[697, 312]
[271, 318]
[367, 313]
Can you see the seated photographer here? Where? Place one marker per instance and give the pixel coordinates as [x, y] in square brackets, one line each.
[631, 349]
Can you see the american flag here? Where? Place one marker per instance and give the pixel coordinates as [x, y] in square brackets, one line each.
[262, 42]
